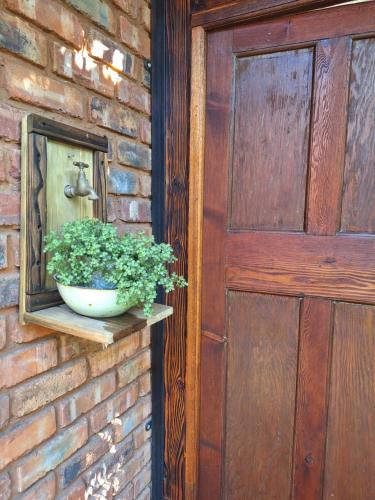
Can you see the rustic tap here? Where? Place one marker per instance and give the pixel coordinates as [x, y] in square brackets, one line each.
[82, 187]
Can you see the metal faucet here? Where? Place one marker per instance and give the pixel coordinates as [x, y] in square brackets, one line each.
[82, 187]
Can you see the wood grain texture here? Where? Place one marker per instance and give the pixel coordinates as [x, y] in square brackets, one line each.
[176, 233]
[102, 330]
[36, 213]
[57, 207]
[306, 27]
[213, 352]
[350, 456]
[358, 206]
[196, 169]
[261, 382]
[271, 139]
[217, 154]
[237, 11]
[58, 130]
[340, 267]
[312, 391]
[332, 67]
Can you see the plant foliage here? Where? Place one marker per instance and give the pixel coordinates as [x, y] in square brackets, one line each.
[90, 253]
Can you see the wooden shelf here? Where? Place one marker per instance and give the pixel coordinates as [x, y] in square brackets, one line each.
[103, 330]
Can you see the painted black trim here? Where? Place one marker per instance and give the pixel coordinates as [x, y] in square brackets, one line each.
[158, 82]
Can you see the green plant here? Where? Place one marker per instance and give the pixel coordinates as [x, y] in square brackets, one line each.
[90, 253]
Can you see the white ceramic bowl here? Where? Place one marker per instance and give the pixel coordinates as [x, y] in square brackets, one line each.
[93, 302]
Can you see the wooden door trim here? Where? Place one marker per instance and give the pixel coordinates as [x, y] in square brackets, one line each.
[202, 22]
[196, 170]
[247, 10]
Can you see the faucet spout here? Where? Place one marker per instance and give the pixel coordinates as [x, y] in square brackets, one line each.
[82, 187]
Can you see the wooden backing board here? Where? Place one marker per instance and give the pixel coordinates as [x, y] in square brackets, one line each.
[102, 330]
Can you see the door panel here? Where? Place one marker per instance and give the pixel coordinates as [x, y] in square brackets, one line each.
[350, 460]
[358, 206]
[271, 138]
[261, 382]
[288, 289]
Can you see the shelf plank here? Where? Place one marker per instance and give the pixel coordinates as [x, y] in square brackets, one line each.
[104, 330]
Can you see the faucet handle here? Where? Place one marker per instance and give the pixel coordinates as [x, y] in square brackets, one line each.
[81, 165]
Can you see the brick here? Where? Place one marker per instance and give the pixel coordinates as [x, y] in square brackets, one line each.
[144, 130]
[75, 405]
[146, 337]
[77, 491]
[145, 185]
[115, 55]
[139, 460]
[8, 289]
[109, 469]
[48, 456]
[125, 424]
[71, 347]
[142, 480]
[99, 12]
[47, 387]
[44, 489]
[3, 334]
[111, 209]
[25, 85]
[63, 61]
[132, 369]
[4, 410]
[24, 333]
[134, 210]
[10, 122]
[141, 435]
[113, 408]
[9, 209]
[10, 164]
[129, 6]
[18, 37]
[146, 16]
[14, 249]
[94, 75]
[144, 384]
[102, 361]
[5, 487]
[134, 96]
[95, 448]
[113, 117]
[126, 494]
[146, 75]
[27, 361]
[51, 16]
[25, 435]
[135, 38]
[3, 251]
[134, 155]
[121, 182]
[145, 495]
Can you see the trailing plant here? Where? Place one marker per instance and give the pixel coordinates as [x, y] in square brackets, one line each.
[90, 253]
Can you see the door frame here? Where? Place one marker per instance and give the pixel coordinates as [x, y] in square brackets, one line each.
[177, 184]
[202, 22]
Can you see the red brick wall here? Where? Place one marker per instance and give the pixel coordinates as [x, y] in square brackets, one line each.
[72, 415]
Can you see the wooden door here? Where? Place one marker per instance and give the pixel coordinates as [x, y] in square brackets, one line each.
[288, 272]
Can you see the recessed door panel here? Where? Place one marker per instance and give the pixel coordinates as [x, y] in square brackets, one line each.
[270, 144]
[350, 455]
[261, 383]
[358, 205]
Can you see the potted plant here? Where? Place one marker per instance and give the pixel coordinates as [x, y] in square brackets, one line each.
[101, 274]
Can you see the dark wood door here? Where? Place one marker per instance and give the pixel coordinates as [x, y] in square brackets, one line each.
[288, 293]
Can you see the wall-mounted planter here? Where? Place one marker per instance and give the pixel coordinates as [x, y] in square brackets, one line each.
[51, 153]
